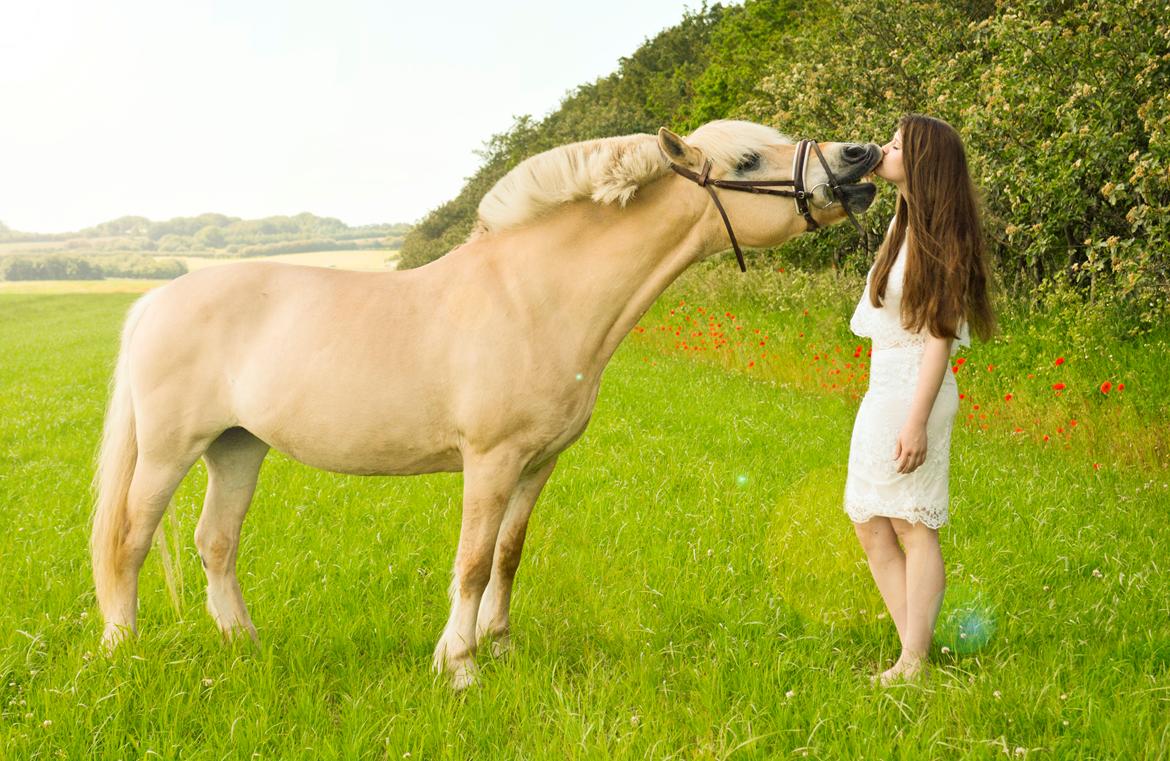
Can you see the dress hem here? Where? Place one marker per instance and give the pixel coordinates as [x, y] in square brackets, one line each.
[866, 515]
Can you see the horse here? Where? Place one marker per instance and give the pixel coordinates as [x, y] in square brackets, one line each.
[487, 360]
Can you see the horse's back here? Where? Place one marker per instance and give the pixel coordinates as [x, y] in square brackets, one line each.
[327, 366]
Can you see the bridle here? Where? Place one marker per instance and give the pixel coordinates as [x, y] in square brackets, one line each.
[771, 187]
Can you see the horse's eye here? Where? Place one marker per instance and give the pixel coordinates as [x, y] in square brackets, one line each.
[748, 163]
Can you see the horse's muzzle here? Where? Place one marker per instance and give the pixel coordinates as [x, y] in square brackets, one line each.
[858, 196]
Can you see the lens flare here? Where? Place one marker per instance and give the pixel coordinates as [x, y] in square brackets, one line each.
[968, 623]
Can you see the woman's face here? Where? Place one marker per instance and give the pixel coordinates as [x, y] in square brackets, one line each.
[891, 168]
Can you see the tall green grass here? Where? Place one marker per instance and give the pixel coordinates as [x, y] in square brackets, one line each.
[690, 589]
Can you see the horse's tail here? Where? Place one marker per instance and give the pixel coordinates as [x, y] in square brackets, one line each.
[115, 470]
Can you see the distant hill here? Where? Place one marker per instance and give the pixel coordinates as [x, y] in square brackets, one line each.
[210, 234]
[136, 247]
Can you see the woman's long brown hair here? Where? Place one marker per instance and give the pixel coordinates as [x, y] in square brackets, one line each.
[946, 275]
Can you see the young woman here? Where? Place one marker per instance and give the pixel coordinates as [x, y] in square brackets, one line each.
[928, 282]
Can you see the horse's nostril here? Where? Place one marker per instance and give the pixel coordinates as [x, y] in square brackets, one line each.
[855, 153]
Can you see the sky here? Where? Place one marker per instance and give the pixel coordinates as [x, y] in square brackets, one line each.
[365, 111]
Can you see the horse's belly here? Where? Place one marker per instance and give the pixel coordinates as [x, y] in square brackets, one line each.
[356, 432]
[364, 456]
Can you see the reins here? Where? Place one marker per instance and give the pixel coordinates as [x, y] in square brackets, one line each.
[771, 187]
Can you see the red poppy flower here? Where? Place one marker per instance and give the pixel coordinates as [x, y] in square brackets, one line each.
[1121, 387]
[1007, 397]
[955, 369]
[961, 361]
[1059, 361]
[1058, 386]
[1106, 387]
[990, 368]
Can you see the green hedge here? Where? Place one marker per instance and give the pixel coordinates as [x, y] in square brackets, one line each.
[1062, 106]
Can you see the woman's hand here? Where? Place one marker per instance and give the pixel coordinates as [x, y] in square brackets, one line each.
[910, 448]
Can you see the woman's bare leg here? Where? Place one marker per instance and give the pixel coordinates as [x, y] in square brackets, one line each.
[887, 563]
[925, 584]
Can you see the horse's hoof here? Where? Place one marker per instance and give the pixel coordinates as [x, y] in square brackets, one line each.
[464, 677]
[113, 636]
[501, 646]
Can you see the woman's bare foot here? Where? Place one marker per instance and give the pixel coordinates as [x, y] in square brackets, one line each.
[906, 669]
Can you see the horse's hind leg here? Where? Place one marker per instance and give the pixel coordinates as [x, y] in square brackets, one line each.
[233, 465]
[494, 621]
[151, 488]
[488, 483]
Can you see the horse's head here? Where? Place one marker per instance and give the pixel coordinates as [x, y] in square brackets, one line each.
[759, 177]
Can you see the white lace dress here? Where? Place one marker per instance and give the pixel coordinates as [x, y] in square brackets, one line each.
[873, 485]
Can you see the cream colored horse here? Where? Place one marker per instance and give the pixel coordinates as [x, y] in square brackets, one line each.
[487, 360]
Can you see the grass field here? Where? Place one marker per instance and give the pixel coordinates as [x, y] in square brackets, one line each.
[690, 588]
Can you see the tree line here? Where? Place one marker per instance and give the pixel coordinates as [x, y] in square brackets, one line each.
[213, 232]
[54, 267]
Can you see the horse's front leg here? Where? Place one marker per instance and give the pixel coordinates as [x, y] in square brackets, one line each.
[488, 483]
[493, 624]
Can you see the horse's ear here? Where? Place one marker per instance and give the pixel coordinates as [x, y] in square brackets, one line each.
[678, 151]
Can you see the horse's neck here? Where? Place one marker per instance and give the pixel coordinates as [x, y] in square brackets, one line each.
[597, 269]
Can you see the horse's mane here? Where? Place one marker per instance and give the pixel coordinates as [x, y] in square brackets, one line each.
[607, 170]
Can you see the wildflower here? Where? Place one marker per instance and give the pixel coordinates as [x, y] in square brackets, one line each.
[1106, 387]
[961, 361]
[1097, 573]
[1058, 386]
[990, 368]
[1121, 387]
[1007, 397]
[790, 693]
[1046, 437]
[1059, 361]
[955, 369]
[752, 363]
[1096, 466]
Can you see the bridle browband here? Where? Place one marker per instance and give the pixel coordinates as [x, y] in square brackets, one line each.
[771, 187]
